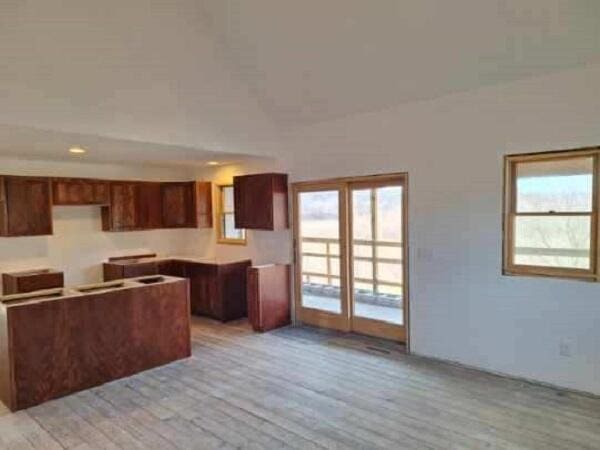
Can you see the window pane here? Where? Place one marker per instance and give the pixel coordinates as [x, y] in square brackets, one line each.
[363, 250]
[319, 214]
[563, 185]
[227, 192]
[229, 230]
[389, 213]
[319, 229]
[386, 251]
[363, 269]
[361, 215]
[553, 241]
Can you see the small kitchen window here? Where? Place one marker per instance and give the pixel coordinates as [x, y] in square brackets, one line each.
[227, 233]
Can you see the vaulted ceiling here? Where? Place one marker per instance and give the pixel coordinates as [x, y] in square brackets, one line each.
[228, 75]
[311, 60]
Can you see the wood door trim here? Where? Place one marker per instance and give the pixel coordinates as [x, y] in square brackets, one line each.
[323, 318]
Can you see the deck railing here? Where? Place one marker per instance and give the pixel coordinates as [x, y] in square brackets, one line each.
[331, 253]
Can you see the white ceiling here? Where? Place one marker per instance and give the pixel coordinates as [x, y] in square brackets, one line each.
[229, 75]
[143, 70]
[313, 60]
[32, 143]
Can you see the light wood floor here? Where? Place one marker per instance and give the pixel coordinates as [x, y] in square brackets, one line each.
[304, 388]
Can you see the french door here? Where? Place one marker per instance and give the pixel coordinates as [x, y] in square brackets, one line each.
[350, 253]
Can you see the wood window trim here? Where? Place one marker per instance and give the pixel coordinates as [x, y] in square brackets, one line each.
[221, 239]
[509, 214]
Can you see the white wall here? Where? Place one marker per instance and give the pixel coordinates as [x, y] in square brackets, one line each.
[78, 245]
[462, 308]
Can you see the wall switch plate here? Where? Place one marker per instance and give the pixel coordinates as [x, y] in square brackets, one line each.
[565, 349]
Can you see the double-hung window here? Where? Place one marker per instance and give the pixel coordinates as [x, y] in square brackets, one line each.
[227, 232]
[550, 214]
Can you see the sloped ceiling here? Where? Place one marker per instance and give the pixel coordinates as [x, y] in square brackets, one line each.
[312, 60]
[143, 70]
[229, 75]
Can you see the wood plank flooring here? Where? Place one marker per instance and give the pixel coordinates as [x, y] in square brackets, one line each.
[304, 388]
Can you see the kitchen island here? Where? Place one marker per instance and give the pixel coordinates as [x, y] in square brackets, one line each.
[59, 341]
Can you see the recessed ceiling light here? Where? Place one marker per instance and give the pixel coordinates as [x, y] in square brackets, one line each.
[213, 163]
[77, 150]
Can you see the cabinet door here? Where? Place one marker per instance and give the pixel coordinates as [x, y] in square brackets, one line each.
[253, 197]
[203, 198]
[123, 202]
[79, 191]
[28, 206]
[100, 193]
[232, 291]
[178, 205]
[150, 206]
[203, 288]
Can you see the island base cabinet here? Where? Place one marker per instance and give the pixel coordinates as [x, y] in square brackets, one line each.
[49, 349]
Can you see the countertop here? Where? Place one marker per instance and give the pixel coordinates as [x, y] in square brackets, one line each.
[48, 295]
[219, 260]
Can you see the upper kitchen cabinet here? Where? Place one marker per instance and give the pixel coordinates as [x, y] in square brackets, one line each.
[25, 206]
[150, 211]
[261, 201]
[122, 212]
[80, 191]
[178, 207]
[203, 200]
[187, 204]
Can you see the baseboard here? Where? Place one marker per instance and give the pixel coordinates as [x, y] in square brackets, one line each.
[508, 376]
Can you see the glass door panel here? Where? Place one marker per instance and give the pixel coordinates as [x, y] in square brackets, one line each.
[376, 261]
[319, 250]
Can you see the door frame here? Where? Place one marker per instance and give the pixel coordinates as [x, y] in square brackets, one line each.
[347, 322]
[318, 317]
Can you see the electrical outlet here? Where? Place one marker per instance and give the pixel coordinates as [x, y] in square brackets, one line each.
[564, 349]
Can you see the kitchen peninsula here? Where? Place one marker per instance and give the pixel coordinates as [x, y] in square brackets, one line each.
[59, 341]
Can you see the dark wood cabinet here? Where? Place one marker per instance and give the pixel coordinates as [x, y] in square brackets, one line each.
[25, 206]
[269, 300]
[261, 201]
[122, 213]
[218, 290]
[150, 211]
[80, 191]
[203, 200]
[117, 270]
[204, 288]
[178, 205]
[31, 280]
[172, 267]
[26, 203]
[80, 338]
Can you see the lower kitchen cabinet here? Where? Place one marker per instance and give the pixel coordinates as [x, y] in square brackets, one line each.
[218, 290]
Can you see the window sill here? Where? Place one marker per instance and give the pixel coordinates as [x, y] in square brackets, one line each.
[231, 241]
